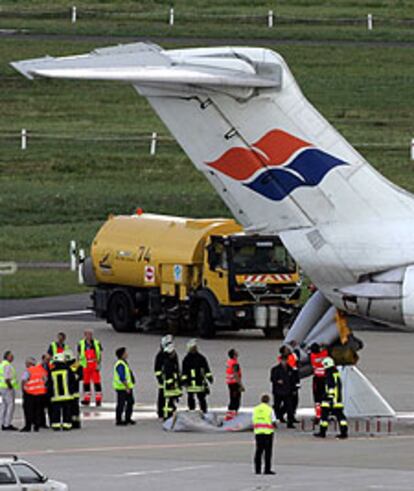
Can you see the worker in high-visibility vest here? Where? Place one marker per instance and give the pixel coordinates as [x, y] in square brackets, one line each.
[90, 357]
[123, 383]
[60, 393]
[264, 424]
[34, 388]
[59, 346]
[196, 376]
[317, 355]
[8, 387]
[332, 403]
[234, 384]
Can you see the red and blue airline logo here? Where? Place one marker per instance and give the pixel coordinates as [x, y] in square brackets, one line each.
[276, 165]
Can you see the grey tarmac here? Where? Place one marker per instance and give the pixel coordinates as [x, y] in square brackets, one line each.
[105, 457]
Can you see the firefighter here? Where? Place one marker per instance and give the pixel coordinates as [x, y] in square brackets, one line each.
[332, 401]
[317, 355]
[196, 376]
[171, 380]
[284, 381]
[90, 357]
[158, 364]
[123, 383]
[74, 386]
[58, 346]
[234, 384]
[34, 388]
[46, 362]
[8, 387]
[264, 424]
[60, 396]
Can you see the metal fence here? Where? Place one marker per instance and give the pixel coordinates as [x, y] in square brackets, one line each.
[172, 16]
[152, 141]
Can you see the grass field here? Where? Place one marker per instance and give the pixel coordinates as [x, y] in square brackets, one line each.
[62, 189]
[295, 19]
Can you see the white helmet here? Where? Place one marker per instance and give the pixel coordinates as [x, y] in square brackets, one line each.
[328, 362]
[59, 358]
[166, 340]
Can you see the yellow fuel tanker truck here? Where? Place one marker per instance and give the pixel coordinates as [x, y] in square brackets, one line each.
[190, 274]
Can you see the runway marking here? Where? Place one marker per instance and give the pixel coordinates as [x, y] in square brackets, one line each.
[44, 315]
[165, 471]
[134, 447]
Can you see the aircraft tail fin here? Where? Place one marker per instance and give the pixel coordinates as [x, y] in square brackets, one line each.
[240, 116]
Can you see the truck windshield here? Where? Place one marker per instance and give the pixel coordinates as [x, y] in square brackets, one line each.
[261, 256]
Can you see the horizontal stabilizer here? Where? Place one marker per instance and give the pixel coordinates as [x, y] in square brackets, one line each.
[143, 64]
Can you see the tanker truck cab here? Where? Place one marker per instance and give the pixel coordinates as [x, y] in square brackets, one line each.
[183, 274]
[252, 282]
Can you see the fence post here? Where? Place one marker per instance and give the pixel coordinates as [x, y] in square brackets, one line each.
[412, 149]
[270, 19]
[153, 145]
[369, 22]
[80, 266]
[73, 14]
[24, 139]
[171, 21]
[72, 255]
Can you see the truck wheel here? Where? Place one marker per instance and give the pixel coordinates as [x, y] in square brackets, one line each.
[205, 323]
[274, 333]
[120, 315]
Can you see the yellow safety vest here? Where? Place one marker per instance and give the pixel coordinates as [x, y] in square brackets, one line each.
[117, 384]
[262, 420]
[82, 348]
[54, 348]
[3, 383]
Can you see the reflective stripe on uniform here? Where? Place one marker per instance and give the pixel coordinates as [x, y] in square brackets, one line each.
[60, 377]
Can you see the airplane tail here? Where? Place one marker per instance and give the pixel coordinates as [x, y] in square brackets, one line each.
[240, 116]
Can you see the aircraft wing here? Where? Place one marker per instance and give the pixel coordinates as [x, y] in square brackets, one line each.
[147, 64]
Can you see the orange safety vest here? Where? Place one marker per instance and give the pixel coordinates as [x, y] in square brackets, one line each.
[316, 360]
[36, 385]
[292, 360]
[231, 377]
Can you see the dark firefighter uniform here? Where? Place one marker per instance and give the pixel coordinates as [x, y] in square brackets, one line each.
[171, 381]
[332, 403]
[158, 364]
[60, 394]
[196, 376]
[74, 386]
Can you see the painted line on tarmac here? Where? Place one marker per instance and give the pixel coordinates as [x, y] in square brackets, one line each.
[163, 446]
[45, 315]
[164, 471]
